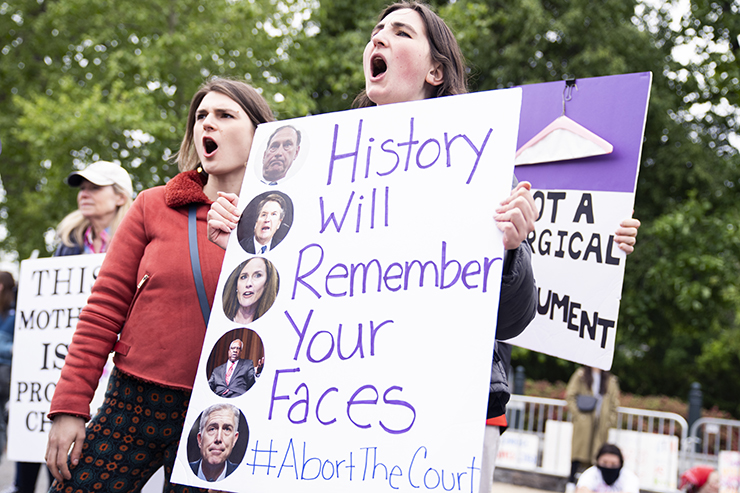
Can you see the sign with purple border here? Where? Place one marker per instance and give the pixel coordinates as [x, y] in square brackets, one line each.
[578, 267]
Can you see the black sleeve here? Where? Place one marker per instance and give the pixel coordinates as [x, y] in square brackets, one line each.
[518, 302]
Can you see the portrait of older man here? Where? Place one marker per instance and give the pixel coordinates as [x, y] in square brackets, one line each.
[217, 434]
[282, 149]
[236, 376]
[269, 228]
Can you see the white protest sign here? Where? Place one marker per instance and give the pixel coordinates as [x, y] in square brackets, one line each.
[581, 202]
[377, 349]
[579, 271]
[729, 471]
[651, 456]
[51, 294]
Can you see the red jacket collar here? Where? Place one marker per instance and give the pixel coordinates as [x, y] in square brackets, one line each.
[186, 188]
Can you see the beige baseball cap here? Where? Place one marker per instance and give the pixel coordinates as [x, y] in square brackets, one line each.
[102, 173]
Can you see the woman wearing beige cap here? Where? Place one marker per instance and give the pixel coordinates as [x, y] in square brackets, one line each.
[104, 197]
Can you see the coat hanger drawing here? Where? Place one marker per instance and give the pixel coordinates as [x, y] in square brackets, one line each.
[562, 139]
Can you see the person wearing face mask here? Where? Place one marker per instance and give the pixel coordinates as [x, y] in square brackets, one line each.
[145, 303]
[608, 475]
[413, 55]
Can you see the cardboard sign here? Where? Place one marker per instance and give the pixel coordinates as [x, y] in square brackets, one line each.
[375, 353]
[51, 294]
[729, 471]
[578, 266]
[652, 457]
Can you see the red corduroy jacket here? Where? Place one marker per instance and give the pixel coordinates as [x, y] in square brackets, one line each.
[144, 305]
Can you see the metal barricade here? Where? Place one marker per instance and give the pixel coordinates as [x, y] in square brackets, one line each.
[710, 436]
[529, 414]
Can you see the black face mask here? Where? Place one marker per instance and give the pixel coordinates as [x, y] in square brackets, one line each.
[610, 474]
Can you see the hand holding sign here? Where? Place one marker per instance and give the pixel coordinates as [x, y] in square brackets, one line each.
[626, 236]
[516, 215]
[223, 218]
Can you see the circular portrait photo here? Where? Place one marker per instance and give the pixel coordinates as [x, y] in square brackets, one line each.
[283, 155]
[235, 363]
[217, 442]
[250, 290]
[265, 222]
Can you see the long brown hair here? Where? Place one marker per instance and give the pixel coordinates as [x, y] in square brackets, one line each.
[588, 379]
[240, 92]
[443, 48]
[230, 298]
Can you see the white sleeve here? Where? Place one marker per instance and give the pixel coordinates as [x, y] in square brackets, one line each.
[630, 483]
[591, 479]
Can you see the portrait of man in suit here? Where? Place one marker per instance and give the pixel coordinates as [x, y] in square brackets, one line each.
[217, 433]
[266, 233]
[237, 375]
[282, 149]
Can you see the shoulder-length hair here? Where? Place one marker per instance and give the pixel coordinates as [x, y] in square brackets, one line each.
[588, 379]
[230, 296]
[443, 48]
[71, 229]
[240, 92]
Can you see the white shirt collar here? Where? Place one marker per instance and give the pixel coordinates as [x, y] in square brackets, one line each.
[203, 476]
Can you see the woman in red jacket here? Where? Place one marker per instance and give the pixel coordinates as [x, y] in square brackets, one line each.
[148, 268]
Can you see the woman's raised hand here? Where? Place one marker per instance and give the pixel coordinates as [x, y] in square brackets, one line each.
[223, 218]
[516, 215]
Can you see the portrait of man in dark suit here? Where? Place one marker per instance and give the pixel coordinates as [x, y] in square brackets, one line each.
[282, 149]
[218, 432]
[267, 228]
[237, 375]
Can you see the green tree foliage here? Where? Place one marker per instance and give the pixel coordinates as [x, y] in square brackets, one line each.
[329, 63]
[92, 79]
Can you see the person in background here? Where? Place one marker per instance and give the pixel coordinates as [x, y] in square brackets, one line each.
[105, 194]
[608, 475]
[590, 427]
[7, 323]
[700, 479]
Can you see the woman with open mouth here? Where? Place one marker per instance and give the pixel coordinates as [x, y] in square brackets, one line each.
[250, 290]
[146, 308]
[413, 55]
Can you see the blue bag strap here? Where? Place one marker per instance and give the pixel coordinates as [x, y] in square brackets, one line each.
[195, 263]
